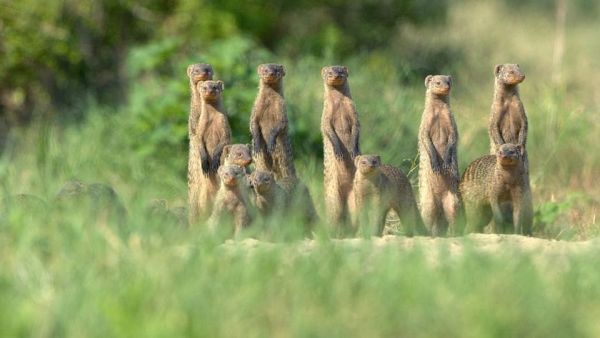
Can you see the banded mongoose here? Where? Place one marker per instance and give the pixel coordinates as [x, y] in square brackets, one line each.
[212, 135]
[238, 154]
[376, 190]
[231, 204]
[268, 196]
[271, 146]
[508, 121]
[101, 199]
[438, 165]
[340, 129]
[496, 187]
[196, 73]
[300, 200]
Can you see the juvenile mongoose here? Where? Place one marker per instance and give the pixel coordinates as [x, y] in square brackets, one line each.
[271, 146]
[241, 155]
[508, 121]
[300, 200]
[376, 190]
[497, 187]
[212, 134]
[268, 196]
[196, 73]
[340, 129]
[438, 167]
[231, 205]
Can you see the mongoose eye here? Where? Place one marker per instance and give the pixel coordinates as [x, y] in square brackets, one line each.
[438, 83]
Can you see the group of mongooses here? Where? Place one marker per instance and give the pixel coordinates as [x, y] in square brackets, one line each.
[359, 190]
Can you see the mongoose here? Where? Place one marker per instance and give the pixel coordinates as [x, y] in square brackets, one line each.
[300, 200]
[438, 165]
[100, 198]
[196, 73]
[497, 187]
[340, 129]
[376, 190]
[231, 205]
[159, 209]
[271, 146]
[212, 135]
[268, 196]
[508, 121]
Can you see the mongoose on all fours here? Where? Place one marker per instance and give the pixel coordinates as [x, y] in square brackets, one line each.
[196, 73]
[271, 146]
[438, 164]
[212, 135]
[231, 205]
[496, 187]
[508, 121]
[340, 129]
[376, 190]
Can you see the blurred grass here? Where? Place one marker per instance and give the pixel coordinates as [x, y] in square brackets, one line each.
[66, 274]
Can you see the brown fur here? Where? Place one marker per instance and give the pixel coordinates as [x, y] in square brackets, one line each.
[300, 200]
[238, 154]
[271, 146]
[212, 135]
[268, 196]
[438, 167]
[196, 73]
[378, 189]
[508, 121]
[340, 129]
[497, 187]
[231, 205]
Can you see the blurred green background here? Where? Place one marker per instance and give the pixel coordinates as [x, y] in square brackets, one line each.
[97, 90]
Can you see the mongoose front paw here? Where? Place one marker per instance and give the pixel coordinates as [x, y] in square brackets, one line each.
[205, 166]
[214, 167]
[256, 146]
[271, 146]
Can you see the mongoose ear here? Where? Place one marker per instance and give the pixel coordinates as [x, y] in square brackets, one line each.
[346, 70]
[259, 69]
[221, 85]
[427, 80]
[282, 70]
[323, 72]
[497, 69]
[450, 79]
[378, 158]
[225, 153]
[189, 70]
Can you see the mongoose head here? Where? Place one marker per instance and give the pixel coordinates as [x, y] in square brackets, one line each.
[335, 75]
[70, 189]
[438, 84]
[210, 90]
[262, 181]
[509, 154]
[367, 164]
[238, 154]
[199, 72]
[230, 175]
[270, 72]
[509, 73]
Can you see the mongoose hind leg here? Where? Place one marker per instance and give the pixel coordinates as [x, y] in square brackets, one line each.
[451, 206]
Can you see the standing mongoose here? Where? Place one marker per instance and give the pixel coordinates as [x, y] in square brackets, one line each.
[496, 187]
[212, 135]
[271, 146]
[376, 190]
[231, 205]
[508, 121]
[340, 129]
[438, 165]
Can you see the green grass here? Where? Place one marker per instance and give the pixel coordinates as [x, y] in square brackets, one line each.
[72, 272]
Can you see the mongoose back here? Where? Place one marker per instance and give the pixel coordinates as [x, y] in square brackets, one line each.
[438, 164]
[340, 129]
[508, 121]
[212, 135]
[231, 205]
[271, 146]
[496, 187]
[376, 190]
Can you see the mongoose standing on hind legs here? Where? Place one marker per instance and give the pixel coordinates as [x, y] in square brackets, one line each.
[496, 187]
[340, 128]
[212, 135]
[271, 146]
[231, 205]
[438, 167]
[196, 73]
[508, 121]
[376, 190]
